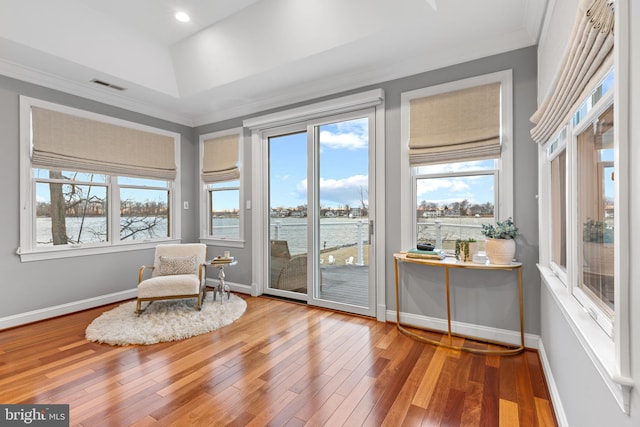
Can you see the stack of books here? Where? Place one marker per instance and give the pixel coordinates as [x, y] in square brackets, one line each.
[222, 260]
[437, 254]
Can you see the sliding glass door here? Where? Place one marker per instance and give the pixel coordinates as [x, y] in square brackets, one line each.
[320, 216]
[288, 215]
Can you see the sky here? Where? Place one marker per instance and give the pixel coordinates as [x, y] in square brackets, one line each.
[344, 157]
[477, 189]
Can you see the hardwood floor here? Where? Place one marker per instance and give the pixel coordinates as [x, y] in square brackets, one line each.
[280, 364]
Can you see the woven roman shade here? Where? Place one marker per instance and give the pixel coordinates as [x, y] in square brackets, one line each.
[220, 159]
[67, 142]
[455, 126]
[588, 58]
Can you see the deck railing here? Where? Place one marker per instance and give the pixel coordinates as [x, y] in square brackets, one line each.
[444, 235]
[342, 236]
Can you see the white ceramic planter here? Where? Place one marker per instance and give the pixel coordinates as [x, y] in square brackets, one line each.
[501, 251]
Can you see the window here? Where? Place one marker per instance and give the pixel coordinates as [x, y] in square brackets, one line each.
[583, 262]
[224, 208]
[87, 185]
[144, 208]
[596, 205]
[558, 158]
[585, 97]
[71, 208]
[453, 200]
[220, 171]
[587, 189]
[458, 155]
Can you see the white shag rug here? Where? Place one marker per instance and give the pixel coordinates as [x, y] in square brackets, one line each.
[169, 320]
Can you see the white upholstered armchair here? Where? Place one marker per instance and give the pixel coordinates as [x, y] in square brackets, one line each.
[178, 272]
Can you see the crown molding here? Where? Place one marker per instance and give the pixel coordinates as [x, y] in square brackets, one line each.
[332, 85]
[534, 18]
[369, 76]
[55, 82]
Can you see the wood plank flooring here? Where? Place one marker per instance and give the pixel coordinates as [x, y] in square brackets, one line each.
[280, 364]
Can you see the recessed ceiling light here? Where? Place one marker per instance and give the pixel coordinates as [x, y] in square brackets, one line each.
[182, 17]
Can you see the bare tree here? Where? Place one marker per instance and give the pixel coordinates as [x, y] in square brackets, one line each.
[57, 210]
[364, 210]
[70, 200]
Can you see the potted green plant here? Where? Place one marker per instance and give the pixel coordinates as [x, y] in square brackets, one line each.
[464, 249]
[501, 246]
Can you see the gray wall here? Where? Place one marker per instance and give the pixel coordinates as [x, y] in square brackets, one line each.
[62, 281]
[471, 296]
[480, 297]
[37, 285]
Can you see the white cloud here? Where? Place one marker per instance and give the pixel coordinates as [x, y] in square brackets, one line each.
[433, 185]
[340, 192]
[349, 141]
[454, 167]
[350, 135]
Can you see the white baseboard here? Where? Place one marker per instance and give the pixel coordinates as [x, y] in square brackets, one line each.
[59, 310]
[235, 287]
[483, 332]
[561, 417]
[75, 306]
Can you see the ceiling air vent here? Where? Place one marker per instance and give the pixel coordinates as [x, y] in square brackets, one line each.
[106, 84]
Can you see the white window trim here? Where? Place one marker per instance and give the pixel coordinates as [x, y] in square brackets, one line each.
[504, 205]
[27, 251]
[573, 234]
[259, 125]
[204, 196]
[561, 145]
[610, 357]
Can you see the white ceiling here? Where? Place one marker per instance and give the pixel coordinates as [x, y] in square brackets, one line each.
[238, 57]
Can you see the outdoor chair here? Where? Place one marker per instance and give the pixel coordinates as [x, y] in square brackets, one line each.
[178, 272]
[287, 272]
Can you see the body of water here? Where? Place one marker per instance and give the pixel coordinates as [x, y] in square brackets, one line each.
[334, 232]
[94, 230]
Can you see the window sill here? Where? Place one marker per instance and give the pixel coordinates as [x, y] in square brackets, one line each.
[43, 254]
[597, 344]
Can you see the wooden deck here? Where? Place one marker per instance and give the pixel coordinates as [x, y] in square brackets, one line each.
[345, 283]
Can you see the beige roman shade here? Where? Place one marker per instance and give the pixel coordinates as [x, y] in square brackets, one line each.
[67, 142]
[588, 58]
[455, 126]
[220, 159]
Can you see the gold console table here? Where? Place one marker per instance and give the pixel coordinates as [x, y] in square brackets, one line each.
[447, 265]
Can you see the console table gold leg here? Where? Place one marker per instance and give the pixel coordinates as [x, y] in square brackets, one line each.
[397, 298]
[446, 281]
[510, 350]
[521, 308]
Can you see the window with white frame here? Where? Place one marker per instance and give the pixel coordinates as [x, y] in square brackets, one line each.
[585, 97]
[557, 154]
[582, 180]
[222, 186]
[459, 156]
[93, 183]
